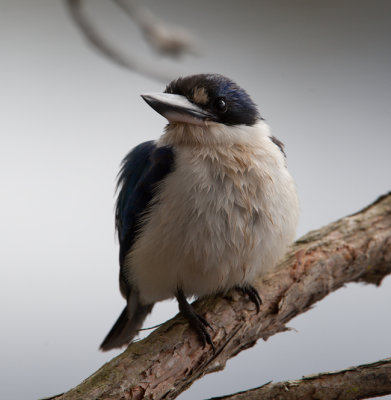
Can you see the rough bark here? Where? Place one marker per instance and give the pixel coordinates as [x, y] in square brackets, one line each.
[356, 248]
[353, 383]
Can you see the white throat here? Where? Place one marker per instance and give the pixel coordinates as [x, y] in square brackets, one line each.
[213, 134]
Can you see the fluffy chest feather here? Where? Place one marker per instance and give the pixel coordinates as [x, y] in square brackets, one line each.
[222, 217]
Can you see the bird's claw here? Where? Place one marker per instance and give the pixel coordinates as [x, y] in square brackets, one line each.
[203, 334]
[253, 295]
[196, 321]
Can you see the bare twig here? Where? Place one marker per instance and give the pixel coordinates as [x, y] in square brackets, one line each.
[166, 39]
[356, 248]
[362, 382]
[98, 41]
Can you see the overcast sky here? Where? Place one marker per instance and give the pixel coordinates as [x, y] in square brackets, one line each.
[320, 73]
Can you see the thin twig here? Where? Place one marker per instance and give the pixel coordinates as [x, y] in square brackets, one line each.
[98, 42]
[166, 39]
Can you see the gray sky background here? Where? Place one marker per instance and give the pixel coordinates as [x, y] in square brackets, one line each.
[321, 75]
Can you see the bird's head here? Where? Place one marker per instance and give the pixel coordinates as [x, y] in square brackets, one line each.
[204, 99]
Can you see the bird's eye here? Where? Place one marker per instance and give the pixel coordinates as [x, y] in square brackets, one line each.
[221, 104]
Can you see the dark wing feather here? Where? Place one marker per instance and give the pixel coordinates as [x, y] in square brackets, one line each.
[142, 169]
[279, 144]
[134, 167]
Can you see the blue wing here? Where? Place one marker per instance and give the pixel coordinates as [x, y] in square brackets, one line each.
[142, 169]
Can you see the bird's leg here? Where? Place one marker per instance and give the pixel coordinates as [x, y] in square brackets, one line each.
[252, 294]
[198, 323]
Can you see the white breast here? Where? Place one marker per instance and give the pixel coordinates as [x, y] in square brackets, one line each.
[223, 217]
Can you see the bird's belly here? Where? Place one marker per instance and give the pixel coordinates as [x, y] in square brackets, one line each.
[206, 235]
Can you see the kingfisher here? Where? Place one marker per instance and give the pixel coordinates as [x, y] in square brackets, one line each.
[208, 207]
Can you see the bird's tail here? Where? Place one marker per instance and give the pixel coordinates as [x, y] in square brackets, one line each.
[126, 327]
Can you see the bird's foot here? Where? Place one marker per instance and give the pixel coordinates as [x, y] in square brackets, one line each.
[196, 321]
[252, 294]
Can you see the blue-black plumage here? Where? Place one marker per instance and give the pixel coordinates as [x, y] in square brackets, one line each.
[142, 169]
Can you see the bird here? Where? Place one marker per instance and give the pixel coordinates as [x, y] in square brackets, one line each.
[207, 207]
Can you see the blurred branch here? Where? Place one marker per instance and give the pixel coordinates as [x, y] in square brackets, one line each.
[362, 382]
[166, 40]
[356, 248]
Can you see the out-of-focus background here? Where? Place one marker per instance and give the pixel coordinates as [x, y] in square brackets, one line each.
[321, 75]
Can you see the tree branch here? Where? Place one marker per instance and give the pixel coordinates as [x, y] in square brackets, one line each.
[166, 39]
[356, 248]
[353, 383]
[169, 41]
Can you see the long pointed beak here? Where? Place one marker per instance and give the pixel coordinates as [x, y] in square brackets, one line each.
[177, 108]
